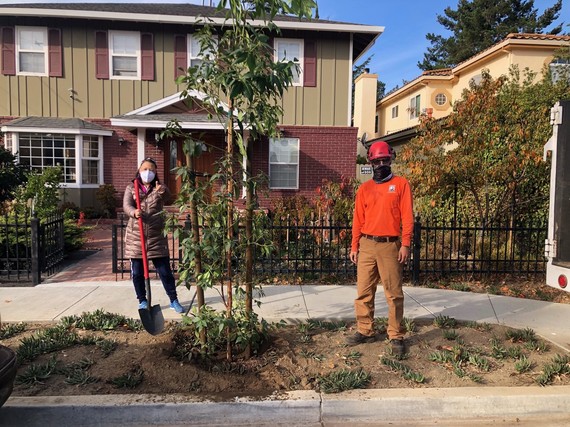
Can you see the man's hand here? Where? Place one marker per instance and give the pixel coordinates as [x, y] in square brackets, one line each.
[404, 254]
[354, 256]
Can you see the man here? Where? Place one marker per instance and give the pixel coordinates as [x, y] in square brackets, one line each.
[383, 212]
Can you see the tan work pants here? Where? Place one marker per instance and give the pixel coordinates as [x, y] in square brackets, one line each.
[379, 261]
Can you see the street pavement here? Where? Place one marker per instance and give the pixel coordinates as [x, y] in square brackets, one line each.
[87, 285]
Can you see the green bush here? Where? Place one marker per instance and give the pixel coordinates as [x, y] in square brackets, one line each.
[106, 197]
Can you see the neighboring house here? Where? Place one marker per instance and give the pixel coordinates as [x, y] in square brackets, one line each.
[432, 93]
[89, 87]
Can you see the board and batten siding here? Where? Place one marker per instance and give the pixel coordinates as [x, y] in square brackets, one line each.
[80, 93]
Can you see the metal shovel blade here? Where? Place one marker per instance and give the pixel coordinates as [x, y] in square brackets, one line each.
[152, 319]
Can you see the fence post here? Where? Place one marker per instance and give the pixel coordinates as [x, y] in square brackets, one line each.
[114, 248]
[417, 243]
[35, 229]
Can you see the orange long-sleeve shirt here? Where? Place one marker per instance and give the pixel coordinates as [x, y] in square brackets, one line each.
[383, 209]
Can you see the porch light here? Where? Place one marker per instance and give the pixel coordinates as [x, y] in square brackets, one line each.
[121, 140]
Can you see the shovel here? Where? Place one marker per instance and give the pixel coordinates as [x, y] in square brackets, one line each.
[151, 317]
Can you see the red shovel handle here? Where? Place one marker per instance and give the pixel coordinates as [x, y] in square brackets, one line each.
[143, 243]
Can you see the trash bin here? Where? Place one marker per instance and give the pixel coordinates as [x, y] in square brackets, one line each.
[7, 373]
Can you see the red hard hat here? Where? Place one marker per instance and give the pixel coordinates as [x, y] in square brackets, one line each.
[380, 150]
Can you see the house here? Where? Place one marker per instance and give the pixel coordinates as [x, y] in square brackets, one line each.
[90, 87]
[433, 93]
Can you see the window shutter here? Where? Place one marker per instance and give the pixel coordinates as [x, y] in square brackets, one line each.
[180, 55]
[310, 66]
[8, 51]
[55, 64]
[101, 55]
[147, 56]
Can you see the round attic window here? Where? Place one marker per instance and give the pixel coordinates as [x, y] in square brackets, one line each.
[440, 99]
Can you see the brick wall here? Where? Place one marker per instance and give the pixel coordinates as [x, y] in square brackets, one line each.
[325, 153]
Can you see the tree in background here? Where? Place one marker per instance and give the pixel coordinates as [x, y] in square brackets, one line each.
[478, 24]
[491, 147]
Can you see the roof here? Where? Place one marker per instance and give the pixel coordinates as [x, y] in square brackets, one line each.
[173, 13]
[65, 125]
[511, 38]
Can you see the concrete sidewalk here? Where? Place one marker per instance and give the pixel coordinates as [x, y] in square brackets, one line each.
[295, 303]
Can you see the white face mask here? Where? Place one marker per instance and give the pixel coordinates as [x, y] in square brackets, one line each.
[147, 176]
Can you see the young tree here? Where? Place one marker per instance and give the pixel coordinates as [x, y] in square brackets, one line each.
[243, 85]
[490, 147]
[478, 24]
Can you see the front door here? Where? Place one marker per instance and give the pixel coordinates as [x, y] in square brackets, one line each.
[175, 157]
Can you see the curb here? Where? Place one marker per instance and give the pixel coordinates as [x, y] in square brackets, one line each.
[308, 408]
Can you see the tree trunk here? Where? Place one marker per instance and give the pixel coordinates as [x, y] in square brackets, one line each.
[249, 240]
[230, 223]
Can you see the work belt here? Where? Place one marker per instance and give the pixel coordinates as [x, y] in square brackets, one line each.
[381, 239]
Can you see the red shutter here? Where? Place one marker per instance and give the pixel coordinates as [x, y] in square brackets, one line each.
[180, 55]
[8, 52]
[310, 68]
[147, 56]
[101, 55]
[55, 64]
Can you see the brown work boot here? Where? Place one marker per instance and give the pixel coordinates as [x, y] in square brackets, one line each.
[398, 347]
[358, 338]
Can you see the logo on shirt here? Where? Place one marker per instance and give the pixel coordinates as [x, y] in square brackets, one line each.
[392, 189]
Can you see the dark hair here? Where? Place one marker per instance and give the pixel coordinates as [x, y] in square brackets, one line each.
[156, 180]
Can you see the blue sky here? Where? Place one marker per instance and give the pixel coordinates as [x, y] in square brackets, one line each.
[403, 43]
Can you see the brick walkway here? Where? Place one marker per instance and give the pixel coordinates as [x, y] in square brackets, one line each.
[97, 267]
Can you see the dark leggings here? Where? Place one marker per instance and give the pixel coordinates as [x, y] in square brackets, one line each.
[162, 266]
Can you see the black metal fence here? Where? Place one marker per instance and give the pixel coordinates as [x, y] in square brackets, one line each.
[30, 247]
[320, 250]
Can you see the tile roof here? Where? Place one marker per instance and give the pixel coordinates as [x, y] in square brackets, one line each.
[511, 36]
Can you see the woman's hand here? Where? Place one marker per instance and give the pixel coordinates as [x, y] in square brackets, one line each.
[137, 213]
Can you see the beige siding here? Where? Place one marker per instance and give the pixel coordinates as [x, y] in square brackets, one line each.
[327, 103]
[324, 105]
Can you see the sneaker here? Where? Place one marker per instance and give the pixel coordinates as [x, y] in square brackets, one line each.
[398, 347]
[143, 305]
[358, 338]
[175, 305]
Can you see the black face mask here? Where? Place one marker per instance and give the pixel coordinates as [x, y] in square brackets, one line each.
[382, 173]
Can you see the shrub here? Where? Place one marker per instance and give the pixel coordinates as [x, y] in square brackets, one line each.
[106, 197]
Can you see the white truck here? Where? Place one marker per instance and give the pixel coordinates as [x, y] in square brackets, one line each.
[557, 245]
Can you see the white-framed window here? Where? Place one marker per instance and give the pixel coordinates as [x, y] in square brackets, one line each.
[125, 54]
[8, 142]
[284, 163]
[291, 50]
[440, 99]
[415, 106]
[91, 160]
[79, 156]
[395, 112]
[194, 56]
[31, 51]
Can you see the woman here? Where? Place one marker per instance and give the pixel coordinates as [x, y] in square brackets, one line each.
[152, 197]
